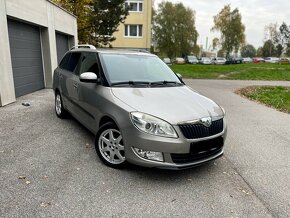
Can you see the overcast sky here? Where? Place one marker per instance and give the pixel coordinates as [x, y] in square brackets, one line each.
[255, 15]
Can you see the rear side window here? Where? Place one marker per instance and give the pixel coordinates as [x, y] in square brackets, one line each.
[64, 61]
[73, 61]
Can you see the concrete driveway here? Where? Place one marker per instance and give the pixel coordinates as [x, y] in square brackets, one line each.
[49, 167]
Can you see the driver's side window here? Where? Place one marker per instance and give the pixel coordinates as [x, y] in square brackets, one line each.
[89, 63]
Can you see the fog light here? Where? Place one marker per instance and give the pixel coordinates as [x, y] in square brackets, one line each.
[149, 155]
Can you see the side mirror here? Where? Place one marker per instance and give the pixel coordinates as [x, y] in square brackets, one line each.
[88, 77]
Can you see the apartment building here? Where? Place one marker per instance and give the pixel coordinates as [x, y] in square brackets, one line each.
[136, 31]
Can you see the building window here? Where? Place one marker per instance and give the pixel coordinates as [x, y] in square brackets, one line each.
[133, 30]
[134, 6]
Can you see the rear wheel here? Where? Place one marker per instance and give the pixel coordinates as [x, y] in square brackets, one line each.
[59, 109]
[110, 147]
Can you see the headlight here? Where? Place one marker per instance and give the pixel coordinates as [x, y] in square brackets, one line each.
[152, 125]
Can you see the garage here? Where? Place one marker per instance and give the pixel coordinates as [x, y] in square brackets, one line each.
[26, 57]
[62, 45]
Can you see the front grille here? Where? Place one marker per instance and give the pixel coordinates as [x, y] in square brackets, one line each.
[194, 131]
[199, 150]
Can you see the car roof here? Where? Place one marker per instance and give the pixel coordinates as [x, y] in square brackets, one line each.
[114, 51]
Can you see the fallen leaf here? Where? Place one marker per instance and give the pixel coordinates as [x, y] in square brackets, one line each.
[45, 204]
[245, 192]
[21, 177]
[27, 182]
[78, 168]
[173, 200]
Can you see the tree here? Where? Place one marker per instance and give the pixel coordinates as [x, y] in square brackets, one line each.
[174, 29]
[221, 53]
[196, 50]
[97, 19]
[106, 17]
[269, 49]
[260, 52]
[272, 38]
[279, 50]
[248, 51]
[285, 37]
[229, 24]
[215, 43]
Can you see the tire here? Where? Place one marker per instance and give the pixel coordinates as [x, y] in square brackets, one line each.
[59, 109]
[110, 147]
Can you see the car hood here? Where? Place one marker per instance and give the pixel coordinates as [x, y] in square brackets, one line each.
[173, 104]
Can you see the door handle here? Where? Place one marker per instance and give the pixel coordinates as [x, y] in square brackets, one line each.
[75, 85]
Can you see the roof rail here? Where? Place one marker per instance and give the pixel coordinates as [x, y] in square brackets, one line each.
[140, 50]
[83, 46]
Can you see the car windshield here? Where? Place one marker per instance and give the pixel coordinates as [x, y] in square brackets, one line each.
[137, 69]
[191, 57]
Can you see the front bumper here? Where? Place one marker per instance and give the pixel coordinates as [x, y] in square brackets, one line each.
[170, 148]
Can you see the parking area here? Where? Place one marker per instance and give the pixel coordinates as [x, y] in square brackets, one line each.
[49, 166]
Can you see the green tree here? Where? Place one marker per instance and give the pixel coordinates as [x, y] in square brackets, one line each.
[248, 51]
[174, 29]
[269, 49]
[279, 50]
[97, 19]
[215, 43]
[196, 50]
[221, 53]
[260, 52]
[229, 24]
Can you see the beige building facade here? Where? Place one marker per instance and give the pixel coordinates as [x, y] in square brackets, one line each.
[34, 35]
[136, 31]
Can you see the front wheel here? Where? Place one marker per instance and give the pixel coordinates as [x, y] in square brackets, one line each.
[110, 147]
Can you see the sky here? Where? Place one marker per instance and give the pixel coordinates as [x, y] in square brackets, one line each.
[256, 14]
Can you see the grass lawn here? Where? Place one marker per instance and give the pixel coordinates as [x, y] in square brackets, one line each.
[273, 96]
[235, 71]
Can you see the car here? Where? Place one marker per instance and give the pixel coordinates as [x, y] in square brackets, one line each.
[167, 61]
[205, 60]
[247, 60]
[179, 60]
[232, 60]
[139, 110]
[219, 60]
[191, 59]
[272, 60]
[284, 60]
[257, 60]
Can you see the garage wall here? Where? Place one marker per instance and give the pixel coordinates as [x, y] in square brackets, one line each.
[48, 18]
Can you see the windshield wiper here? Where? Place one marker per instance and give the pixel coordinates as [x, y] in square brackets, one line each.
[164, 82]
[132, 83]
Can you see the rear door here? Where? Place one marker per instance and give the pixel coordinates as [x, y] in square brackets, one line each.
[68, 80]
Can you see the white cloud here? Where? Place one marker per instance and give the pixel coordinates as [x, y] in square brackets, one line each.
[256, 14]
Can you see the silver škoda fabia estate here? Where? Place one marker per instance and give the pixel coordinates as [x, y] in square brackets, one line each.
[140, 111]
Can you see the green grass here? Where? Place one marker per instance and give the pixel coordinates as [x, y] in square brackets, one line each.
[236, 71]
[273, 96]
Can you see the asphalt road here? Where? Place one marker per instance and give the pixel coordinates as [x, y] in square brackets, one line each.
[49, 167]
